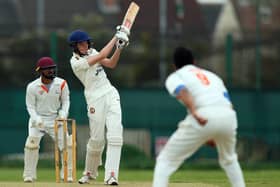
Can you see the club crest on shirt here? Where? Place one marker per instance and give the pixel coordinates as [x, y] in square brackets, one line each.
[98, 70]
[91, 110]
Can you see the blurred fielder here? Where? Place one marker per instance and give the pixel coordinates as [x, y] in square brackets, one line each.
[47, 98]
[103, 102]
[210, 117]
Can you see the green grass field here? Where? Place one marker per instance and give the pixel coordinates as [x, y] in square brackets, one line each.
[11, 177]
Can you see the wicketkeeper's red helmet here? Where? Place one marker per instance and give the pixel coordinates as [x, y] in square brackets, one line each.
[44, 63]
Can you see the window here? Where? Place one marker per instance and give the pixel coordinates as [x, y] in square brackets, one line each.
[109, 6]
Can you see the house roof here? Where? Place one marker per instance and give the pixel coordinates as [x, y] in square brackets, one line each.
[247, 15]
[58, 14]
[211, 13]
[148, 17]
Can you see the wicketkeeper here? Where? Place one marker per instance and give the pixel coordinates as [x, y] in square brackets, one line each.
[47, 98]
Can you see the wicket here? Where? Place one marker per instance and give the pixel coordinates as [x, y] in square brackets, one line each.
[64, 123]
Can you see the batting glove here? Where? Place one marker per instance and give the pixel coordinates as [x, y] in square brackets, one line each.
[123, 29]
[120, 35]
[121, 44]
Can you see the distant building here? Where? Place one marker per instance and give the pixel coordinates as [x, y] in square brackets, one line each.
[239, 18]
[186, 20]
[10, 20]
[227, 23]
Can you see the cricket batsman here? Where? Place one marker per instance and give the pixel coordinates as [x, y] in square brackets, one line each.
[103, 102]
[210, 117]
[47, 99]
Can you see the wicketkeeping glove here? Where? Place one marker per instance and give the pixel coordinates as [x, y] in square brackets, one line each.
[39, 125]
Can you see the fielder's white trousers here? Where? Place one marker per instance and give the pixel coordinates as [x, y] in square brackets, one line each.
[190, 136]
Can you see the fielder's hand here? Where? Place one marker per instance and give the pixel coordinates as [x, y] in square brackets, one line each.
[202, 121]
[211, 143]
[123, 29]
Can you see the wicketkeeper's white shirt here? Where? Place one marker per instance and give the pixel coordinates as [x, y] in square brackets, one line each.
[45, 103]
[92, 77]
[206, 88]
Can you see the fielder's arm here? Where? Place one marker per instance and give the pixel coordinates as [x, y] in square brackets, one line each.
[187, 100]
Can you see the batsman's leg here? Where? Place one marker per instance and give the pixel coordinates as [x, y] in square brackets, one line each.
[113, 157]
[93, 160]
[31, 156]
[114, 138]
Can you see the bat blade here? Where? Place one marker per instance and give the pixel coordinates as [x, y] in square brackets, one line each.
[130, 15]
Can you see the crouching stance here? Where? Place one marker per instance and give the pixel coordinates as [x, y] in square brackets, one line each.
[47, 99]
[210, 117]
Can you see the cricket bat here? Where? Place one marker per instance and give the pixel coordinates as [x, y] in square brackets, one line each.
[130, 15]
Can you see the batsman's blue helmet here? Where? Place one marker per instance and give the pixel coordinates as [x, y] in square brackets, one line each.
[78, 36]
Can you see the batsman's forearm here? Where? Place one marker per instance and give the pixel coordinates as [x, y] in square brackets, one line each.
[108, 48]
[113, 61]
[102, 55]
[115, 58]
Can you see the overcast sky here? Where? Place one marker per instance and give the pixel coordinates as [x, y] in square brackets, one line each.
[211, 1]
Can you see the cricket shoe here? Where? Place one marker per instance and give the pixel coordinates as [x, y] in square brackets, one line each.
[112, 181]
[84, 180]
[87, 177]
[28, 179]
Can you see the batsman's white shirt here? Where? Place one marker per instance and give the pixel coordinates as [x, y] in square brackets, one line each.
[46, 104]
[92, 77]
[103, 100]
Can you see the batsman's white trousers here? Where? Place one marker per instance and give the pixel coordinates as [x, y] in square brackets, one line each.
[190, 135]
[105, 111]
[105, 118]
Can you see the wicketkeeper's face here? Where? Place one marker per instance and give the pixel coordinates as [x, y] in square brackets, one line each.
[48, 73]
[83, 47]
